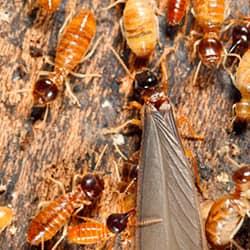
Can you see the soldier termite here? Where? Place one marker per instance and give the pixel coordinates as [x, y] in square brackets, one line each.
[228, 212]
[93, 231]
[72, 47]
[6, 216]
[210, 16]
[57, 213]
[140, 26]
[176, 10]
[242, 83]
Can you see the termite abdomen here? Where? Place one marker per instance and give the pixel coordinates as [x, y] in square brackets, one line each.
[176, 9]
[140, 27]
[49, 5]
[45, 91]
[210, 51]
[92, 186]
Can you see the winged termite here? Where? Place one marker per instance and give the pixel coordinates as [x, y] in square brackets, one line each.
[166, 188]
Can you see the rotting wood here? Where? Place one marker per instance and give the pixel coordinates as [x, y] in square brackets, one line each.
[71, 139]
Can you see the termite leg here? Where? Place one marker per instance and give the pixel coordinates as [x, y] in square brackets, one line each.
[134, 105]
[92, 51]
[122, 27]
[64, 234]
[195, 169]
[43, 204]
[236, 245]
[164, 55]
[226, 55]
[68, 18]
[48, 61]
[59, 184]
[43, 73]
[42, 244]
[79, 75]
[135, 122]
[205, 208]
[123, 156]
[68, 88]
[196, 73]
[88, 219]
[149, 222]
[121, 62]
[192, 134]
[81, 207]
[114, 4]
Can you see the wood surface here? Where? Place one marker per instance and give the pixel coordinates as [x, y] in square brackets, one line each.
[71, 138]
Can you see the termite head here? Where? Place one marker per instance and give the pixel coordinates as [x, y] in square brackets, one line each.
[117, 223]
[210, 51]
[241, 177]
[45, 91]
[92, 185]
[145, 80]
[241, 33]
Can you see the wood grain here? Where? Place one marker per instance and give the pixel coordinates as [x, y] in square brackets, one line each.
[71, 139]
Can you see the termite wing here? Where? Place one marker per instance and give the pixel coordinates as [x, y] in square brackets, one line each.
[166, 188]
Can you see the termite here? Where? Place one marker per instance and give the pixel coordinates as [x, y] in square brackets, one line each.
[165, 183]
[6, 216]
[242, 83]
[140, 26]
[93, 231]
[210, 16]
[49, 5]
[176, 10]
[72, 47]
[227, 213]
[57, 214]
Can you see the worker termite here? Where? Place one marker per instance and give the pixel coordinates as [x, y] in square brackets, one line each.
[242, 83]
[140, 26]
[227, 213]
[57, 214]
[210, 16]
[6, 216]
[72, 47]
[93, 231]
[176, 10]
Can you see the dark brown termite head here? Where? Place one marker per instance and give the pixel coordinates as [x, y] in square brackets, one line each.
[117, 223]
[92, 185]
[241, 177]
[241, 33]
[240, 39]
[210, 52]
[145, 80]
[45, 91]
